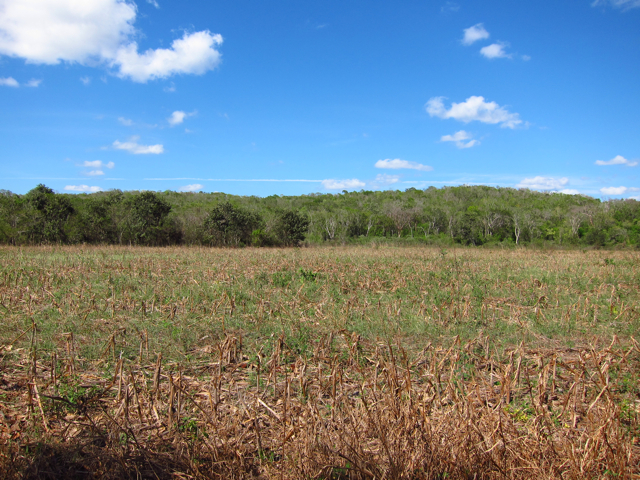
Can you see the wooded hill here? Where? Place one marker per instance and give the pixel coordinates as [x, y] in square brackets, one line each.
[469, 215]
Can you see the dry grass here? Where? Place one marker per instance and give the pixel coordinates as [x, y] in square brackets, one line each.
[318, 363]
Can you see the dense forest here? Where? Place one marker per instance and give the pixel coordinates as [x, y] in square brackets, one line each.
[468, 215]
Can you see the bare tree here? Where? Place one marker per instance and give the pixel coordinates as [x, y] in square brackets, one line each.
[401, 217]
[330, 226]
[575, 218]
[370, 224]
[491, 220]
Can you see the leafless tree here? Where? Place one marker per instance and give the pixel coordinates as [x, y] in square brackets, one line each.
[401, 217]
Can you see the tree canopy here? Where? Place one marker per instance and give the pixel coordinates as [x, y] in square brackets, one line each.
[468, 215]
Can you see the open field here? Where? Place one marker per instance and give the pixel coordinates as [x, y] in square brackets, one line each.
[121, 362]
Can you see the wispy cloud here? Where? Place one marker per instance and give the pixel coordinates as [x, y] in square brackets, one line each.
[495, 50]
[621, 4]
[9, 82]
[237, 179]
[383, 180]
[472, 109]
[194, 187]
[614, 190]
[450, 7]
[350, 184]
[548, 184]
[82, 188]
[97, 164]
[617, 160]
[125, 121]
[12, 82]
[132, 146]
[85, 80]
[154, 3]
[178, 117]
[459, 139]
[396, 163]
[475, 33]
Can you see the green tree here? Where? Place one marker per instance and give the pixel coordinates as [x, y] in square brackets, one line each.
[291, 227]
[227, 225]
[147, 220]
[50, 214]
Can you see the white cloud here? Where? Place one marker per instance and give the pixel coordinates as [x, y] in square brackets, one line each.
[195, 187]
[384, 179]
[331, 184]
[472, 109]
[34, 83]
[459, 138]
[82, 188]
[154, 3]
[85, 80]
[97, 164]
[95, 173]
[98, 32]
[526, 58]
[544, 183]
[475, 33]
[194, 53]
[178, 117]
[570, 191]
[614, 190]
[495, 50]
[125, 121]
[617, 160]
[623, 4]
[132, 146]
[9, 82]
[396, 164]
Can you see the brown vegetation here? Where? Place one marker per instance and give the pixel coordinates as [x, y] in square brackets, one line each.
[297, 388]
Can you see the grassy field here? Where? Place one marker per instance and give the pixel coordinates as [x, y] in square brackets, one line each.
[121, 362]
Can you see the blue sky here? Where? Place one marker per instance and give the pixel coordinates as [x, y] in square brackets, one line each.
[293, 97]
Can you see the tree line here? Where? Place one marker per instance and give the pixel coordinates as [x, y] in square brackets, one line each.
[469, 215]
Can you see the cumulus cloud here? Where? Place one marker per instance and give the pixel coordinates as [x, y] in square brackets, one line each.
[614, 190]
[9, 82]
[622, 4]
[617, 160]
[195, 187]
[396, 164]
[472, 109]
[194, 53]
[495, 50]
[33, 83]
[331, 184]
[459, 139]
[98, 32]
[125, 121]
[82, 188]
[545, 183]
[475, 33]
[132, 146]
[178, 117]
